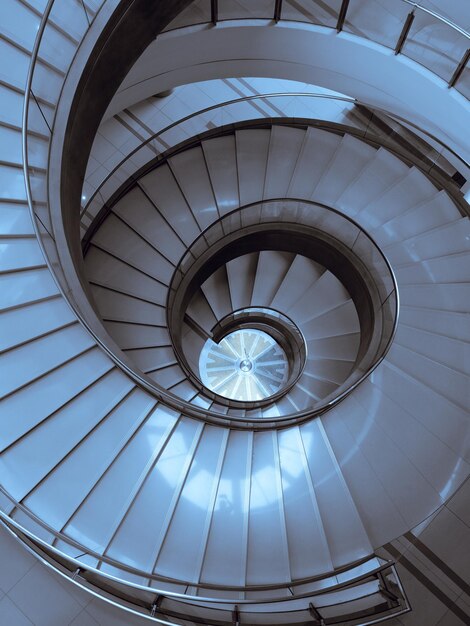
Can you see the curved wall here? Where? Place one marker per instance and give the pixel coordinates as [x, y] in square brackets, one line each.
[303, 52]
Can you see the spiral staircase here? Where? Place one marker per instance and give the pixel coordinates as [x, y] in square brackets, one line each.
[241, 368]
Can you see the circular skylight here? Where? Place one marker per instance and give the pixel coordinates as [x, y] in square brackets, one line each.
[247, 365]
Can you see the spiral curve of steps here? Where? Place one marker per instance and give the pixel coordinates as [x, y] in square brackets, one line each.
[135, 251]
[166, 492]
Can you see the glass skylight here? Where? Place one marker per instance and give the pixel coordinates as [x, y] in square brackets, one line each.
[246, 365]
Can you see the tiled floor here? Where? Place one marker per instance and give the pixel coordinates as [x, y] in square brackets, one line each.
[30, 593]
[440, 551]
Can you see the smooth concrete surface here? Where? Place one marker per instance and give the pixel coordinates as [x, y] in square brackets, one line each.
[303, 52]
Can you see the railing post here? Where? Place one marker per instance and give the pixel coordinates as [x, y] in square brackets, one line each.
[236, 616]
[76, 573]
[404, 31]
[277, 11]
[391, 598]
[319, 621]
[342, 15]
[214, 11]
[86, 13]
[460, 68]
[156, 605]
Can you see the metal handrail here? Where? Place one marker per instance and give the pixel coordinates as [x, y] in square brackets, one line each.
[208, 109]
[162, 395]
[28, 92]
[157, 613]
[339, 26]
[192, 410]
[183, 583]
[438, 16]
[226, 103]
[179, 275]
[278, 18]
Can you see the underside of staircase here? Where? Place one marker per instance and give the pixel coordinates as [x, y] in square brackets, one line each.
[236, 371]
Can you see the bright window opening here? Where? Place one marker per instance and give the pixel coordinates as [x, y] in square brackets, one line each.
[247, 365]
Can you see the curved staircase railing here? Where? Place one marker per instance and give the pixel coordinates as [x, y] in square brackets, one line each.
[370, 595]
[369, 590]
[404, 26]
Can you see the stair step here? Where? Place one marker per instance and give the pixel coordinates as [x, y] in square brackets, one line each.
[317, 150]
[303, 397]
[117, 238]
[151, 359]
[14, 68]
[446, 323]
[240, 274]
[121, 307]
[99, 515]
[378, 175]
[383, 452]
[343, 347]
[30, 459]
[16, 219]
[441, 241]
[229, 521]
[168, 377]
[446, 381]
[271, 270]
[444, 296]
[338, 321]
[325, 294]
[220, 155]
[18, 253]
[333, 370]
[284, 149]
[345, 533]
[183, 549]
[216, 291]
[346, 164]
[107, 271]
[252, 157]
[34, 359]
[130, 336]
[161, 188]
[190, 170]
[454, 268]
[137, 210]
[426, 405]
[25, 324]
[309, 553]
[412, 190]
[438, 211]
[109, 436]
[300, 277]
[376, 508]
[266, 510]
[449, 352]
[200, 311]
[319, 387]
[35, 402]
[184, 390]
[12, 183]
